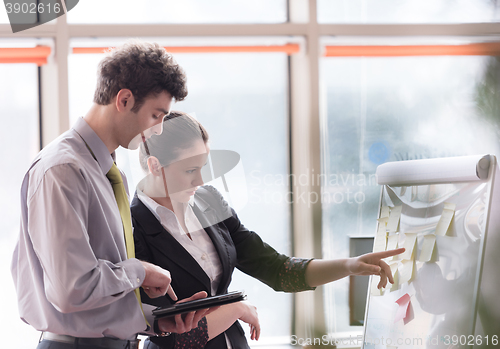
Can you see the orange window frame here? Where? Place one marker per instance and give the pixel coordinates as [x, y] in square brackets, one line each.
[476, 49]
[37, 55]
[289, 49]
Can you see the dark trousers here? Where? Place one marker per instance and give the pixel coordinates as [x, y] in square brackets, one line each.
[150, 345]
[47, 344]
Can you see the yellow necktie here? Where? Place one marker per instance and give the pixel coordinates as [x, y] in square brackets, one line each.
[115, 177]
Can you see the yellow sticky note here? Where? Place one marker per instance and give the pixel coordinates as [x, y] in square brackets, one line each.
[373, 288]
[395, 215]
[380, 242]
[445, 219]
[392, 241]
[395, 275]
[406, 273]
[382, 225]
[384, 212]
[409, 245]
[427, 248]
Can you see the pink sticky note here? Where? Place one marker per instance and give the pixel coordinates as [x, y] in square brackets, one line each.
[404, 307]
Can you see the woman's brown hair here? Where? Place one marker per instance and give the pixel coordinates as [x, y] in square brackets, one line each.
[180, 131]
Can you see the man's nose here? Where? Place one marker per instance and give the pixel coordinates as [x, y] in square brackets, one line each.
[158, 128]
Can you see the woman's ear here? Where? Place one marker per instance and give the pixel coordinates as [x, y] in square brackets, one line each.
[154, 166]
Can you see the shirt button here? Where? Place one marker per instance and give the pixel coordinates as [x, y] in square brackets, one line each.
[138, 280]
[204, 256]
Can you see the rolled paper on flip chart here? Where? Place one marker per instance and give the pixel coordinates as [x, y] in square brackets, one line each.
[395, 275]
[409, 245]
[427, 248]
[445, 219]
[406, 273]
[385, 211]
[395, 215]
[403, 308]
[434, 171]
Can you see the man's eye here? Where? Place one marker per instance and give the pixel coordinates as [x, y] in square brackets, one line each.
[155, 117]
[190, 171]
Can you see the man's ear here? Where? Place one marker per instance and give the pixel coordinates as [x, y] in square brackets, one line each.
[124, 100]
[154, 166]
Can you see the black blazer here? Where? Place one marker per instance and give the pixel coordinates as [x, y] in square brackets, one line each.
[236, 246]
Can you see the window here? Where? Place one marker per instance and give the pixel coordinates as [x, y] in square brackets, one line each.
[4, 18]
[407, 11]
[241, 98]
[186, 11]
[383, 109]
[367, 110]
[20, 144]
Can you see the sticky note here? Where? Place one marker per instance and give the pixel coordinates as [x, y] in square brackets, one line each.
[403, 191]
[403, 307]
[414, 193]
[373, 287]
[392, 241]
[380, 242]
[445, 219]
[395, 275]
[395, 215]
[409, 245]
[384, 212]
[406, 273]
[427, 248]
[382, 225]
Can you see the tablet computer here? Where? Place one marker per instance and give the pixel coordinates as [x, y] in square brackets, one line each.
[198, 304]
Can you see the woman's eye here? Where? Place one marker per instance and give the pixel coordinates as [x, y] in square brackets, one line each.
[190, 171]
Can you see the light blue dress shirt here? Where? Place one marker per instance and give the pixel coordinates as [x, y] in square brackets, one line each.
[70, 265]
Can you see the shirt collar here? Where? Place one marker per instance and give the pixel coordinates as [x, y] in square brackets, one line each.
[149, 203]
[155, 207]
[95, 143]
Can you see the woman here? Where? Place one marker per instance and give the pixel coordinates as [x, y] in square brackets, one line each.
[190, 230]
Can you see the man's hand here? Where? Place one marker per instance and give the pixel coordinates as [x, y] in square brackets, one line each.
[185, 322]
[372, 264]
[157, 281]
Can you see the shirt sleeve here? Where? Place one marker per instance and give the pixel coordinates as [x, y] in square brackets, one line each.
[293, 275]
[260, 260]
[148, 314]
[74, 279]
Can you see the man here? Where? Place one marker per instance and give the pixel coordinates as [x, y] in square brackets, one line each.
[72, 267]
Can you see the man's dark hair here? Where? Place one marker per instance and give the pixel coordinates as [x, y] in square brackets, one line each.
[145, 69]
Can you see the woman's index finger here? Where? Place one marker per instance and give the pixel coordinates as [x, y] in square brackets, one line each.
[390, 253]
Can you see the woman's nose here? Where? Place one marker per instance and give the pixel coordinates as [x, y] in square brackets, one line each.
[198, 180]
